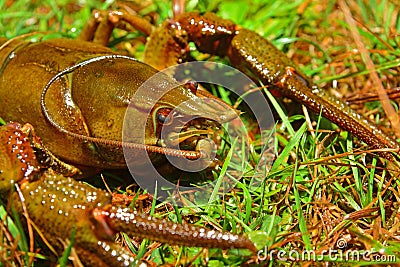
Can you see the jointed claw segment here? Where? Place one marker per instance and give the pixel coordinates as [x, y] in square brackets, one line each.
[120, 219]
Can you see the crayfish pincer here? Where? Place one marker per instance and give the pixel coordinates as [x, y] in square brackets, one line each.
[58, 206]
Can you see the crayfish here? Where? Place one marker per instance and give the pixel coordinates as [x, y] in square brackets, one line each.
[81, 99]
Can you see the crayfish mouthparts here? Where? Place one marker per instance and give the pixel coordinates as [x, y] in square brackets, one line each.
[174, 133]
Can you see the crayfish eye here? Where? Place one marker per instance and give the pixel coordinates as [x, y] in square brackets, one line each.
[162, 116]
[192, 86]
